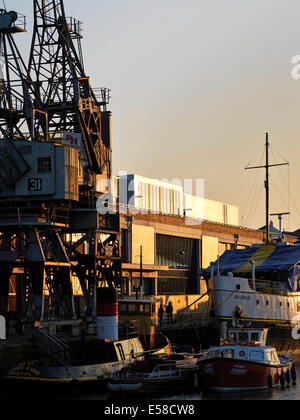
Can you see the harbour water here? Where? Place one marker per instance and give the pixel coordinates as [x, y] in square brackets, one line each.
[291, 392]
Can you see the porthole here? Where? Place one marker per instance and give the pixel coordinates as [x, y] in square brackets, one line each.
[242, 354]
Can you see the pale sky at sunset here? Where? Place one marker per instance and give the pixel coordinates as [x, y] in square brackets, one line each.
[195, 86]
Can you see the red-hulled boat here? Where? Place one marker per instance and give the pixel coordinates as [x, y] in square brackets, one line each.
[245, 363]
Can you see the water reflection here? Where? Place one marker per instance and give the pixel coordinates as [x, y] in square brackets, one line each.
[291, 392]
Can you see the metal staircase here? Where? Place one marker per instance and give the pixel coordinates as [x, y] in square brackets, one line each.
[51, 346]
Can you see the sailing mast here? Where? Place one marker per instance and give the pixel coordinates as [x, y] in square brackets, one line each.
[267, 166]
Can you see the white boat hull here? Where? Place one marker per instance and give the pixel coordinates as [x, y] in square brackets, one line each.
[230, 293]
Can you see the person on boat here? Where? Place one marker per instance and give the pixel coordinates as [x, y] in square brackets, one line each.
[169, 311]
[161, 312]
[237, 316]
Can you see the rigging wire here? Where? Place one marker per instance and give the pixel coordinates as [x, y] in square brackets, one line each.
[254, 184]
[272, 147]
[282, 199]
[287, 184]
[251, 193]
[256, 205]
[252, 200]
[259, 151]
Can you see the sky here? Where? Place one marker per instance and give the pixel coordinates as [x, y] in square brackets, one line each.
[195, 87]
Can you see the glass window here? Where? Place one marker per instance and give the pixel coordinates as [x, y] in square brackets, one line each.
[214, 353]
[243, 337]
[122, 307]
[242, 353]
[255, 336]
[268, 356]
[174, 252]
[275, 357]
[228, 353]
[131, 307]
[44, 165]
[256, 355]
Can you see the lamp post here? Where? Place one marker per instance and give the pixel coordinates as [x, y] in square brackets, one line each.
[141, 272]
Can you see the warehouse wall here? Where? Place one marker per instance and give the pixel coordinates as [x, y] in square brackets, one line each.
[143, 236]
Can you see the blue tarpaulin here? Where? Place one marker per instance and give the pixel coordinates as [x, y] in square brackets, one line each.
[266, 258]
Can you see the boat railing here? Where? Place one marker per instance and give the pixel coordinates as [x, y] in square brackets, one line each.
[117, 368]
[170, 370]
[165, 370]
[268, 286]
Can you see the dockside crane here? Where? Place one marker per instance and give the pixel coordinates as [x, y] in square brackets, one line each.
[56, 64]
[55, 151]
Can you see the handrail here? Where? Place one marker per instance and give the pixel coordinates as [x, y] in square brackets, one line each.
[262, 285]
[174, 369]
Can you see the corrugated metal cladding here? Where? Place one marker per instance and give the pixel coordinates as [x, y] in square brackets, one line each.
[157, 199]
[162, 196]
[71, 173]
[174, 285]
[175, 252]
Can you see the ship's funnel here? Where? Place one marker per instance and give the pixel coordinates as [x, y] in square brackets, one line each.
[107, 314]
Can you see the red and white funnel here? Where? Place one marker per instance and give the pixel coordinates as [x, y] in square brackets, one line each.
[107, 314]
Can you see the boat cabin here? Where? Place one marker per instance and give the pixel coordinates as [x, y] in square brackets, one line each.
[265, 355]
[250, 336]
[247, 344]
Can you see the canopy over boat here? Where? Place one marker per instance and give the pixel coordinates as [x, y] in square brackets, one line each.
[267, 258]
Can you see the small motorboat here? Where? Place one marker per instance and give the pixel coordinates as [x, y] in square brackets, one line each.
[178, 372]
[245, 363]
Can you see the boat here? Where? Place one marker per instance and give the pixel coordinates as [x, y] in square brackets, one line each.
[245, 363]
[258, 287]
[78, 364]
[176, 373]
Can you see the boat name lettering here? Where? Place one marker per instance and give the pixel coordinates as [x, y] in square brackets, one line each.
[28, 371]
[209, 370]
[238, 371]
[242, 297]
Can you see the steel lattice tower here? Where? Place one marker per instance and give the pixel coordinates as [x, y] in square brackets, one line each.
[39, 104]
